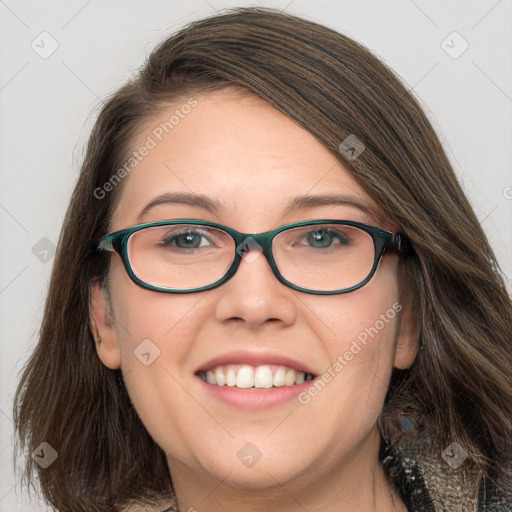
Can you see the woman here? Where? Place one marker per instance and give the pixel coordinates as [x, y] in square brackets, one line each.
[270, 293]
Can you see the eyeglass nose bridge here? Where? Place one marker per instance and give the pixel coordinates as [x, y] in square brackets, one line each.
[249, 247]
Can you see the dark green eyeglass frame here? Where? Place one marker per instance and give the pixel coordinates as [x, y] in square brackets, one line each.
[382, 241]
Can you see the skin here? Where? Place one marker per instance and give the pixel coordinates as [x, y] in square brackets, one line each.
[322, 456]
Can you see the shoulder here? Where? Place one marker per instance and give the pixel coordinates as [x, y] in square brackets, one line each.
[408, 478]
[493, 499]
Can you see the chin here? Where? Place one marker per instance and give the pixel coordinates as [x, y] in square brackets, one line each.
[261, 475]
[251, 479]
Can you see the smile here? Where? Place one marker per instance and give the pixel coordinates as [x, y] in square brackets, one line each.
[244, 376]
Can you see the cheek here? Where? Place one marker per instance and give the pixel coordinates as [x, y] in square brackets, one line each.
[142, 314]
[155, 332]
[359, 337]
[368, 315]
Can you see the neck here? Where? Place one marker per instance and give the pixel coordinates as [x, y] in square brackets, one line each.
[355, 484]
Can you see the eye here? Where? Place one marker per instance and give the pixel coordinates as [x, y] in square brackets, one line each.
[185, 239]
[322, 238]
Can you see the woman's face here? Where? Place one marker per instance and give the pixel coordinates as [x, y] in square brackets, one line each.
[253, 161]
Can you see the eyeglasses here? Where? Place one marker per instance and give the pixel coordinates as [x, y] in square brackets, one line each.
[324, 257]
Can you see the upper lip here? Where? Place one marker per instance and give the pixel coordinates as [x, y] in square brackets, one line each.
[255, 359]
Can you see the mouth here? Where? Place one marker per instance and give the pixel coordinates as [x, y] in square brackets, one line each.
[245, 376]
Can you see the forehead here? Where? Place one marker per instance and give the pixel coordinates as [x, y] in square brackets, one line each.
[237, 149]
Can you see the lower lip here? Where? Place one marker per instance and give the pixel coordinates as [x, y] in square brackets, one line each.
[254, 398]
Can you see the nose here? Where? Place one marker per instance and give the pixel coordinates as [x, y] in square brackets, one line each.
[255, 296]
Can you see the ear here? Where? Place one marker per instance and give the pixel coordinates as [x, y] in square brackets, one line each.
[103, 330]
[407, 335]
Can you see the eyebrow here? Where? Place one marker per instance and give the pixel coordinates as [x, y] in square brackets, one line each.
[198, 200]
[297, 203]
[306, 201]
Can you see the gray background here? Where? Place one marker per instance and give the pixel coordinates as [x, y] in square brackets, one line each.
[49, 102]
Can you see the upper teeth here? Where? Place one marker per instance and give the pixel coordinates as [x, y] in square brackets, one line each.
[245, 376]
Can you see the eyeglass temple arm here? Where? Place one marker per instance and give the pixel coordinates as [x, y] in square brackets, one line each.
[106, 244]
[401, 244]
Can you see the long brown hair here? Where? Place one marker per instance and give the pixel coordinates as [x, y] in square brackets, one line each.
[458, 389]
